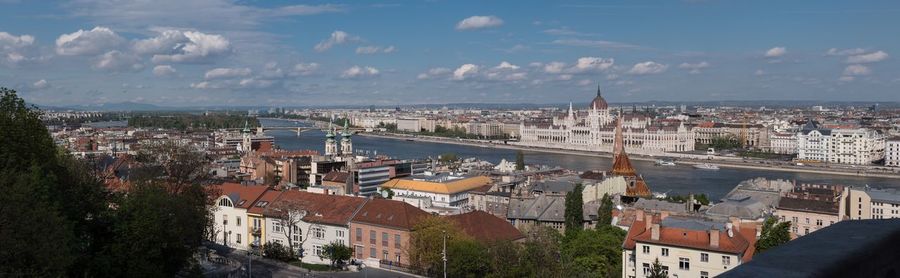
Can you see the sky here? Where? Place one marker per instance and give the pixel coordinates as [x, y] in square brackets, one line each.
[293, 53]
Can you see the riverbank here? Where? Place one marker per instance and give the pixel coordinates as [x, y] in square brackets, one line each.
[719, 161]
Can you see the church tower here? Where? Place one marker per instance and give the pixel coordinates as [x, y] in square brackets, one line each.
[330, 144]
[346, 142]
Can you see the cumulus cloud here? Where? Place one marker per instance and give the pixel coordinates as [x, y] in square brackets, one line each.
[163, 70]
[585, 64]
[844, 52]
[873, 57]
[13, 48]
[256, 83]
[856, 70]
[227, 73]
[118, 61]
[648, 67]
[304, 69]
[40, 84]
[337, 37]
[776, 52]
[554, 67]
[176, 46]
[433, 73]
[479, 22]
[88, 42]
[695, 67]
[465, 71]
[506, 65]
[358, 72]
[204, 85]
[374, 49]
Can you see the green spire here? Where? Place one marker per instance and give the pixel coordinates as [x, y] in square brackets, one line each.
[346, 131]
[246, 127]
[330, 133]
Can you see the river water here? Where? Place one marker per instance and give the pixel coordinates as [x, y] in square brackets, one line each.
[672, 179]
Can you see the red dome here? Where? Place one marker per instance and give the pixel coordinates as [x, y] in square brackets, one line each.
[599, 102]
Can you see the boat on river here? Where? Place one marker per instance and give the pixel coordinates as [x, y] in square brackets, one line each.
[706, 166]
[665, 162]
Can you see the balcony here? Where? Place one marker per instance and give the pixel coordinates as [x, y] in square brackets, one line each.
[256, 230]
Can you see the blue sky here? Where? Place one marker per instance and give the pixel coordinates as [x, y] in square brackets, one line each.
[287, 53]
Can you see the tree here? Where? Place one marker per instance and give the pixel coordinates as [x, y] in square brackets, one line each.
[520, 160]
[467, 258]
[337, 253]
[574, 214]
[604, 212]
[448, 157]
[540, 253]
[595, 252]
[177, 165]
[426, 243]
[773, 234]
[656, 270]
[288, 213]
[702, 199]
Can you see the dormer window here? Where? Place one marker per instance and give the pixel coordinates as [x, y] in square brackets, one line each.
[225, 202]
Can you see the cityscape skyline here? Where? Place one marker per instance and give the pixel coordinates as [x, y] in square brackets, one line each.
[280, 53]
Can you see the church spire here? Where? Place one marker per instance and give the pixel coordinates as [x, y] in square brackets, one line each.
[598, 90]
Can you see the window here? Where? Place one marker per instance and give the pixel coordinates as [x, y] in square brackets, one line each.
[665, 252]
[297, 234]
[318, 232]
[256, 223]
[339, 233]
[318, 250]
[384, 255]
[237, 221]
[794, 220]
[807, 220]
[805, 231]
[372, 253]
[359, 252]
[224, 220]
[384, 239]
[225, 202]
[665, 270]
[646, 249]
[819, 222]
[276, 226]
[704, 274]
[280, 242]
[646, 269]
[684, 263]
[704, 257]
[726, 260]
[238, 239]
[358, 234]
[397, 240]
[372, 238]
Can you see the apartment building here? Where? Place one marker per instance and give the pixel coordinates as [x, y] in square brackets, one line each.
[231, 226]
[380, 230]
[892, 152]
[849, 146]
[869, 203]
[443, 190]
[812, 207]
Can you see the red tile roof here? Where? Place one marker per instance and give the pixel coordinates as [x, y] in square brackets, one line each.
[264, 201]
[486, 227]
[243, 196]
[320, 208]
[741, 243]
[389, 213]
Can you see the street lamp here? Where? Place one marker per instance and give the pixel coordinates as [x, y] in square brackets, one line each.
[444, 253]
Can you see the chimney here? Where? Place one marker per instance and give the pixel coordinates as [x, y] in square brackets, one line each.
[654, 232]
[714, 238]
[638, 215]
[648, 220]
[735, 222]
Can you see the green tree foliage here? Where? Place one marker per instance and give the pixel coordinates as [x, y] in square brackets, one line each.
[594, 253]
[656, 270]
[426, 243]
[337, 253]
[727, 142]
[192, 121]
[574, 214]
[773, 234]
[540, 253]
[277, 251]
[58, 219]
[520, 160]
[449, 157]
[604, 212]
[467, 258]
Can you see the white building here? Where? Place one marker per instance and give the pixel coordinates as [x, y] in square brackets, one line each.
[594, 130]
[685, 247]
[849, 146]
[892, 152]
[783, 142]
[868, 203]
[232, 226]
[444, 191]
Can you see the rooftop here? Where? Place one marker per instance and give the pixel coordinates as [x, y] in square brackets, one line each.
[438, 184]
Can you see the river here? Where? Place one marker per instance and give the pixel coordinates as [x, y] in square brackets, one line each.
[672, 179]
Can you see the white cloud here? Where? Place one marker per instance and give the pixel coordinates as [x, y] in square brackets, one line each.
[40, 84]
[357, 72]
[479, 22]
[304, 69]
[585, 64]
[256, 83]
[465, 71]
[434, 72]
[776, 52]
[12, 47]
[88, 42]
[163, 70]
[845, 52]
[118, 61]
[226, 73]
[337, 37]
[694, 68]
[193, 47]
[204, 85]
[856, 70]
[759, 72]
[375, 49]
[873, 57]
[554, 67]
[648, 67]
[506, 65]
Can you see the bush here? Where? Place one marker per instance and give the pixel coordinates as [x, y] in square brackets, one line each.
[276, 251]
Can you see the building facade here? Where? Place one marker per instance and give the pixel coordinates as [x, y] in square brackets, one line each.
[379, 232]
[849, 146]
[892, 152]
[868, 203]
[592, 130]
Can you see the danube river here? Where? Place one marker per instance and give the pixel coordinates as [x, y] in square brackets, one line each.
[672, 179]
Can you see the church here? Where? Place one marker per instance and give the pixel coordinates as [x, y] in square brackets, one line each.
[593, 129]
